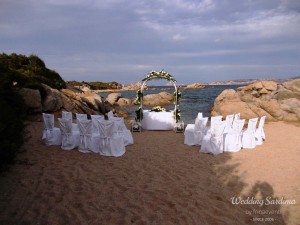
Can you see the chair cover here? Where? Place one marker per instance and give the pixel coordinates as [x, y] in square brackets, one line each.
[66, 115]
[109, 144]
[51, 134]
[213, 141]
[110, 115]
[233, 139]
[95, 122]
[229, 120]
[122, 130]
[260, 133]
[248, 136]
[69, 115]
[200, 115]
[70, 137]
[237, 116]
[80, 116]
[87, 137]
[194, 133]
[214, 120]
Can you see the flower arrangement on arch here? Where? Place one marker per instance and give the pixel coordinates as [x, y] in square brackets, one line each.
[158, 109]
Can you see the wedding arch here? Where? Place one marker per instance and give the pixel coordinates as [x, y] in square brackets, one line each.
[157, 75]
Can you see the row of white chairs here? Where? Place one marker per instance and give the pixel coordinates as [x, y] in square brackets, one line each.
[106, 137]
[226, 135]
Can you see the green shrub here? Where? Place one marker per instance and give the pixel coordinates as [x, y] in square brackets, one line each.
[12, 117]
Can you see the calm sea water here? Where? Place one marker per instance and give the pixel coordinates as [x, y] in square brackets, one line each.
[192, 100]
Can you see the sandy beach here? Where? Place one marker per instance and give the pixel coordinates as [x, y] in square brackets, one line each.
[158, 181]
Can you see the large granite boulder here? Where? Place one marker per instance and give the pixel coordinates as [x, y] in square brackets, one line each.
[53, 100]
[124, 102]
[32, 98]
[195, 86]
[276, 101]
[160, 99]
[112, 98]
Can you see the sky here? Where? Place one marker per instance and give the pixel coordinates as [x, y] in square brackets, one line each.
[123, 40]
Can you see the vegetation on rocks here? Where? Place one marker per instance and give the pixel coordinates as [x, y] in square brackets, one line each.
[31, 71]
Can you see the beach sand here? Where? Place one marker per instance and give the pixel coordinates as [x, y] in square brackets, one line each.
[158, 181]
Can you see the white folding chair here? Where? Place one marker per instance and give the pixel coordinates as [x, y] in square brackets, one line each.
[122, 130]
[95, 122]
[233, 139]
[200, 115]
[237, 116]
[109, 144]
[110, 115]
[229, 120]
[194, 133]
[260, 133]
[51, 134]
[66, 115]
[87, 141]
[248, 136]
[213, 141]
[70, 137]
[190, 133]
[81, 116]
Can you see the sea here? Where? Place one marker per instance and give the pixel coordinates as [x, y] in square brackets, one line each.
[192, 100]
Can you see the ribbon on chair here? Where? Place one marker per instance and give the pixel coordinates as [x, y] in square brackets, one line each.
[84, 140]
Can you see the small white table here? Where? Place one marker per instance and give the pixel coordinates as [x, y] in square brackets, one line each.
[158, 120]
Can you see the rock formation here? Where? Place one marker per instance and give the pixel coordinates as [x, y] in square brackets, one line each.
[160, 99]
[194, 86]
[65, 99]
[276, 101]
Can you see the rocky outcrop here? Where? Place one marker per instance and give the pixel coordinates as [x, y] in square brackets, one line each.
[276, 101]
[53, 101]
[112, 98]
[160, 99]
[65, 99]
[135, 86]
[195, 86]
[32, 99]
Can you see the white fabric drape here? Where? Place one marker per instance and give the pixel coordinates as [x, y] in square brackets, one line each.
[108, 143]
[51, 134]
[248, 136]
[122, 130]
[260, 133]
[70, 137]
[213, 140]
[233, 138]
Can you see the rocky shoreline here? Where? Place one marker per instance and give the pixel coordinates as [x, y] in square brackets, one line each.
[279, 102]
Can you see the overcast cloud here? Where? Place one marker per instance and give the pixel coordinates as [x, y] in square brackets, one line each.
[123, 40]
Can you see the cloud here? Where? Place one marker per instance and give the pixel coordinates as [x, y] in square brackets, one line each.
[117, 39]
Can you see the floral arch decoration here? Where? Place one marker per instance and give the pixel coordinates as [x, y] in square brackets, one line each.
[156, 75]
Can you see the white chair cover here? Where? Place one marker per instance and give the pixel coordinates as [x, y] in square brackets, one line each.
[51, 134]
[248, 136]
[213, 141]
[87, 138]
[233, 139]
[214, 120]
[110, 115]
[70, 137]
[229, 120]
[236, 117]
[194, 133]
[67, 115]
[200, 115]
[95, 122]
[109, 144]
[260, 133]
[80, 116]
[122, 130]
